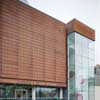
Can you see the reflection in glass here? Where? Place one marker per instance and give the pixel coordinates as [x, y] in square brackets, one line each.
[81, 67]
[47, 93]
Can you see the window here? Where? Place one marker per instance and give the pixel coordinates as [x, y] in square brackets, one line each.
[1, 93]
[21, 94]
[47, 93]
[81, 67]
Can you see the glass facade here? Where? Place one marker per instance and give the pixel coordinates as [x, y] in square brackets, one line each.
[81, 67]
[25, 92]
[22, 92]
[47, 93]
[80, 76]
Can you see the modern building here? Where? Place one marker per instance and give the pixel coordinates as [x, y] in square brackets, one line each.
[97, 82]
[42, 58]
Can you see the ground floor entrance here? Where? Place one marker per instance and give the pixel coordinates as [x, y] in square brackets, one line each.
[26, 92]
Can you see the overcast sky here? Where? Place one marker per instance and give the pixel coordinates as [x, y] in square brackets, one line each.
[87, 11]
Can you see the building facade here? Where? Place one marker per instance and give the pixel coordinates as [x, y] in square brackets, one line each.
[97, 82]
[42, 58]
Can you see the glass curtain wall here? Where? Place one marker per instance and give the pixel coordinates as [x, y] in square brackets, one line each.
[81, 67]
[71, 68]
[25, 92]
[15, 92]
[47, 93]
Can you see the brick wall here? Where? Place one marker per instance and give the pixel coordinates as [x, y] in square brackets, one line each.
[32, 46]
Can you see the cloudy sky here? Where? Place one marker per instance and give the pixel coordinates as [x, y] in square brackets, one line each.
[87, 11]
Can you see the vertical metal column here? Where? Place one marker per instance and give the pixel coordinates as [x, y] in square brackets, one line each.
[61, 93]
[33, 93]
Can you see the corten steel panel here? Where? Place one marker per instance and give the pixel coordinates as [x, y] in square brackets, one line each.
[32, 46]
[77, 26]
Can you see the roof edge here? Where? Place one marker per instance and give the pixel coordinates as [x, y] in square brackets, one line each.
[77, 26]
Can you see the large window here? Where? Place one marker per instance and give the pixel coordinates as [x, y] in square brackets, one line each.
[26, 92]
[22, 92]
[47, 93]
[81, 67]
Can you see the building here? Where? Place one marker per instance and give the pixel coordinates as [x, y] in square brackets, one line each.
[42, 57]
[97, 82]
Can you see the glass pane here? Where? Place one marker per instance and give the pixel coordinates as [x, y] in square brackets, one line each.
[81, 67]
[43, 93]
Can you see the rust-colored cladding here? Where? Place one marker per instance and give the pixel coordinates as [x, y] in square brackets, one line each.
[77, 26]
[32, 46]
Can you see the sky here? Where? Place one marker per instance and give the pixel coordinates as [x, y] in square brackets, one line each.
[86, 11]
